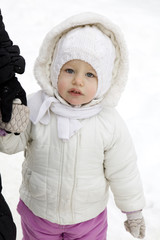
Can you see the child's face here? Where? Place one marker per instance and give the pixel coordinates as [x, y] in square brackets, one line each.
[77, 82]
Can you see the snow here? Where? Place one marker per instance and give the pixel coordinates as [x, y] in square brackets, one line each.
[28, 21]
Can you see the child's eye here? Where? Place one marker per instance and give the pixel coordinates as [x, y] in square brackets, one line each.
[91, 75]
[69, 70]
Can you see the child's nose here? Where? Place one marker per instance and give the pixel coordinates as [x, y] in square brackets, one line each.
[78, 80]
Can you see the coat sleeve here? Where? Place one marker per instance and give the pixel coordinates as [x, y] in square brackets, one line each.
[121, 169]
[11, 143]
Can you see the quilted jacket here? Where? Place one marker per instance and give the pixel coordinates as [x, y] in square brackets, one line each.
[67, 182]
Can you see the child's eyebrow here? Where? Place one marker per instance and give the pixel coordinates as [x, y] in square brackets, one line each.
[68, 65]
[91, 70]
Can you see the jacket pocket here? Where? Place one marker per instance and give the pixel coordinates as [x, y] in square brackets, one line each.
[37, 186]
[89, 195]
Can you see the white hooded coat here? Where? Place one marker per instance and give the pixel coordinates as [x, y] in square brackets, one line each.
[67, 182]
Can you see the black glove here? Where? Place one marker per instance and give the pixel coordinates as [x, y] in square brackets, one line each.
[7, 226]
[8, 92]
[11, 61]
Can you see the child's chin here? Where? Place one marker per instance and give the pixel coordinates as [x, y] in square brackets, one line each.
[73, 103]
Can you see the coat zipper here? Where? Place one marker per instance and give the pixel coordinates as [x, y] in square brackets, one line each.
[74, 185]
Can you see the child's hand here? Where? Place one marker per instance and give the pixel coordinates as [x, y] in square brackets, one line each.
[135, 224]
[19, 119]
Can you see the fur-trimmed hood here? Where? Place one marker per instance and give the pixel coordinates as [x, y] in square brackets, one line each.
[120, 72]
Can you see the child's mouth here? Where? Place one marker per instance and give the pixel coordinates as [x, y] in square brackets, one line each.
[75, 92]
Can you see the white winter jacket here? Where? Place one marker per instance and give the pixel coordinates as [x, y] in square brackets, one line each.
[67, 182]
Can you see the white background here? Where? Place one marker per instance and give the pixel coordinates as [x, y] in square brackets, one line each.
[27, 22]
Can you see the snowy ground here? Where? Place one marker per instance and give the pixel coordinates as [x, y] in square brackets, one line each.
[28, 21]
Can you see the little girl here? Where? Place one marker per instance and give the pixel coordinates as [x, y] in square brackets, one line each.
[76, 144]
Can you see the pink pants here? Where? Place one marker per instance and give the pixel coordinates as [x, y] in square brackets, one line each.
[36, 228]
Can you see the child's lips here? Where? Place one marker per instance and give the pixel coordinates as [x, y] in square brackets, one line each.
[75, 92]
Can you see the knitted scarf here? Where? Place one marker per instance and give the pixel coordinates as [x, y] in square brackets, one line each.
[68, 117]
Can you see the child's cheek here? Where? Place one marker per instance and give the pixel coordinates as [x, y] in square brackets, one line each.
[61, 87]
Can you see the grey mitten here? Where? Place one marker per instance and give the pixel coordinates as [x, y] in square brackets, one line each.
[135, 224]
[19, 119]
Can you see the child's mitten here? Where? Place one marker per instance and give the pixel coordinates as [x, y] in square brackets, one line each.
[135, 224]
[19, 118]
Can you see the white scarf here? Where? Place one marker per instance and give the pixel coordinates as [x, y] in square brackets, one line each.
[40, 105]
